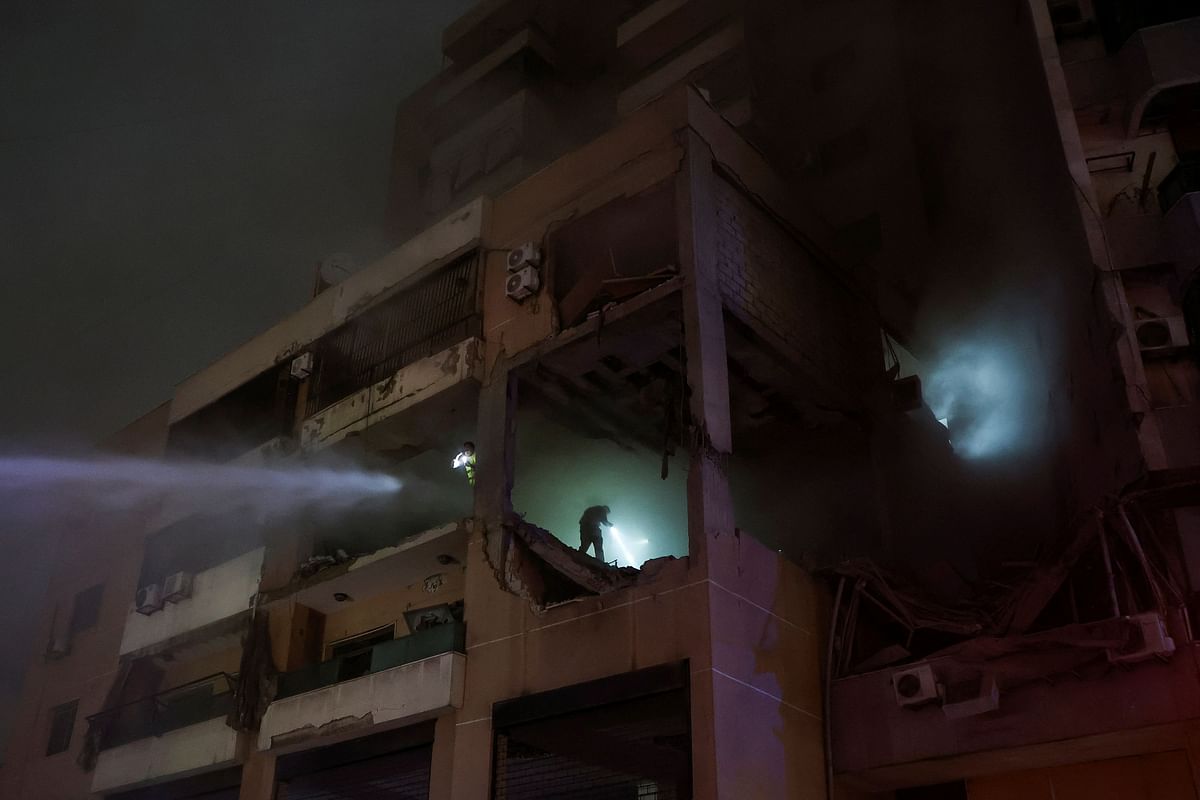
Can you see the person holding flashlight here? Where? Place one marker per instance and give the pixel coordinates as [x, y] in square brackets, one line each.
[590, 534]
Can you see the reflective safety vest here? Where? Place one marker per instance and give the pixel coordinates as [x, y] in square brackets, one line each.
[469, 468]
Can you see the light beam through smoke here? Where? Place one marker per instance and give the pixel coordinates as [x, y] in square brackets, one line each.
[128, 482]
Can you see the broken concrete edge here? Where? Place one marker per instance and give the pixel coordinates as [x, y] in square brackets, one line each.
[333, 727]
[519, 553]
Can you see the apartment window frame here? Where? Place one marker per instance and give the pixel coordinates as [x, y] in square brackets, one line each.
[62, 727]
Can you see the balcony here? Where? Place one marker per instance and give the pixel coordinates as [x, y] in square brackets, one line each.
[166, 736]
[431, 389]
[406, 349]
[390, 685]
[218, 595]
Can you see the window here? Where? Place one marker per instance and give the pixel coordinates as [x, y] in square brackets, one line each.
[62, 722]
[86, 610]
[355, 651]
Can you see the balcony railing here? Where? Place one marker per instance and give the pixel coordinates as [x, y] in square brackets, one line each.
[189, 704]
[1184, 179]
[405, 650]
[437, 312]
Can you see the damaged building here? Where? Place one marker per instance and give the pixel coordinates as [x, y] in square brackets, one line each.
[869, 322]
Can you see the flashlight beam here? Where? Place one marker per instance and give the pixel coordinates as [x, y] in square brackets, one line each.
[616, 534]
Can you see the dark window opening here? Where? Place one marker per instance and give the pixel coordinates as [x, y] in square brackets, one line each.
[62, 724]
[614, 253]
[621, 738]
[86, 609]
[355, 653]
[254, 413]
[438, 311]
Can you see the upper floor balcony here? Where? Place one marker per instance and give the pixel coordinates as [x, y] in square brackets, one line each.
[269, 356]
[406, 350]
[169, 735]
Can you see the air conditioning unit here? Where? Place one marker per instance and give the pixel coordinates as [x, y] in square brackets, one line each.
[149, 599]
[59, 646]
[177, 586]
[1150, 639]
[915, 685]
[527, 255]
[1164, 333]
[523, 284]
[302, 366]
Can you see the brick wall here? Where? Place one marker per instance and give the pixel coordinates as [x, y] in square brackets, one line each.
[771, 283]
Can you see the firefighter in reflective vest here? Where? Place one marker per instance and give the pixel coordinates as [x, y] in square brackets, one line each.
[466, 460]
[589, 529]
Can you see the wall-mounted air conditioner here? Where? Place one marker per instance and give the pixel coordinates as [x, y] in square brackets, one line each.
[915, 685]
[527, 255]
[177, 586]
[149, 599]
[1150, 639]
[523, 283]
[1164, 333]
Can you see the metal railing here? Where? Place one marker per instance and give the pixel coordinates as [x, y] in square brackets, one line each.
[199, 701]
[438, 311]
[1184, 179]
[449, 638]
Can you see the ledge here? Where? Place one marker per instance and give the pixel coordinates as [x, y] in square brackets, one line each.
[202, 747]
[381, 701]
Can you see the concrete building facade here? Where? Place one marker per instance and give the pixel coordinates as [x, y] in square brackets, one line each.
[819, 301]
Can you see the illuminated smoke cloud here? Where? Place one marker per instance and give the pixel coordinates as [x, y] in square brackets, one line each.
[981, 389]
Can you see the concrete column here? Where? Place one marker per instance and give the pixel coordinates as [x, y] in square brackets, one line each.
[258, 775]
[710, 506]
[441, 772]
[495, 443]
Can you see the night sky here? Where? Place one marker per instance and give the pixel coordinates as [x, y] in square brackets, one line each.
[170, 173]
